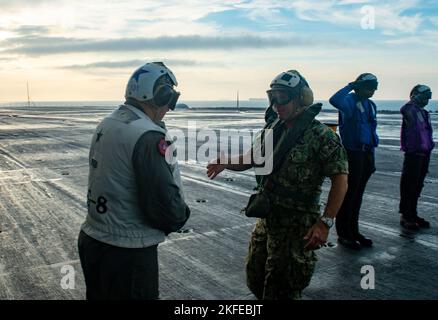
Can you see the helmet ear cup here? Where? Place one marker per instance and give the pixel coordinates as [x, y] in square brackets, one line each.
[306, 96]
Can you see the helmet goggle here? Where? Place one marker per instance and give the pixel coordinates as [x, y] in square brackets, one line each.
[279, 97]
[424, 92]
[166, 95]
[368, 84]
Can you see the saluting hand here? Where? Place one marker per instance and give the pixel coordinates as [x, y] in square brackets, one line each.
[317, 236]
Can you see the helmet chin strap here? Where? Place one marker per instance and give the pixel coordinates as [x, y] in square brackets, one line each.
[296, 113]
[300, 110]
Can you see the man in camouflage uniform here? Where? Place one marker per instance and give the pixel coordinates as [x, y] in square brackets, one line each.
[281, 260]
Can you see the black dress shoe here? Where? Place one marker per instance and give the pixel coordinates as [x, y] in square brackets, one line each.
[364, 242]
[349, 243]
[422, 223]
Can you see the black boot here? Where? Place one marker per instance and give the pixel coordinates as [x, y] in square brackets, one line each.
[364, 242]
[422, 223]
[349, 243]
[409, 224]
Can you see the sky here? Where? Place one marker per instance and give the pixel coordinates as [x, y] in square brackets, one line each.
[86, 50]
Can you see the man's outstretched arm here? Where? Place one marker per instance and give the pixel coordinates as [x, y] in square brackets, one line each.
[240, 163]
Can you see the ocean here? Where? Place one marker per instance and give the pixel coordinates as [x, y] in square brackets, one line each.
[382, 105]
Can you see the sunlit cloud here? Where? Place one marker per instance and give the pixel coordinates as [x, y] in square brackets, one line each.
[132, 64]
[215, 46]
[390, 15]
[429, 38]
[47, 45]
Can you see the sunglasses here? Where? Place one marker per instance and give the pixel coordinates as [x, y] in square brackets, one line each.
[166, 95]
[279, 97]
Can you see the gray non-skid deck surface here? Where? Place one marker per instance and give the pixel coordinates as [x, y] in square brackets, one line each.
[43, 176]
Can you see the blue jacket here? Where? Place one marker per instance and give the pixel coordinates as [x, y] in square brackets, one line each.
[357, 119]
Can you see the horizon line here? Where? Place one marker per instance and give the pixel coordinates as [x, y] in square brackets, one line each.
[183, 101]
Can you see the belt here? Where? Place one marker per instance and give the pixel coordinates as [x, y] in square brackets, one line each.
[284, 192]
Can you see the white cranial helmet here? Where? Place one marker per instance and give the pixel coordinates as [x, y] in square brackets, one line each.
[289, 79]
[142, 83]
[295, 84]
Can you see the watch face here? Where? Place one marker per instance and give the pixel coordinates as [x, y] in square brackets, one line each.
[327, 221]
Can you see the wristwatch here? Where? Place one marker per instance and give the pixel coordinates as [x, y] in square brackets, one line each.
[327, 221]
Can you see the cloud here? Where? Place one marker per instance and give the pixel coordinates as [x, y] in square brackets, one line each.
[110, 16]
[391, 16]
[129, 64]
[31, 30]
[434, 20]
[347, 2]
[5, 4]
[33, 45]
[428, 38]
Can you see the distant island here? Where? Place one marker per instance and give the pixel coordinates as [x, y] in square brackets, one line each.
[182, 106]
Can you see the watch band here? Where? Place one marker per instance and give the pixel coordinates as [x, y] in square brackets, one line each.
[327, 221]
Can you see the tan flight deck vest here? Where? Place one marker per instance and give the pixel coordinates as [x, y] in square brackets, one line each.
[114, 215]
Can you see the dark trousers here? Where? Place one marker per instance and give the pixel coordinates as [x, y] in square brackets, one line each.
[360, 166]
[118, 273]
[415, 168]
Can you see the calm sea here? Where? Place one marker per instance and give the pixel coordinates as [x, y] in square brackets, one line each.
[382, 105]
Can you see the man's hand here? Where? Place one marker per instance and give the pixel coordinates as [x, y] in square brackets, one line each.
[353, 85]
[317, 236]
[216, 166]
[213, 169]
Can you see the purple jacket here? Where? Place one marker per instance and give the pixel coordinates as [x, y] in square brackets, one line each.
[416, 130]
